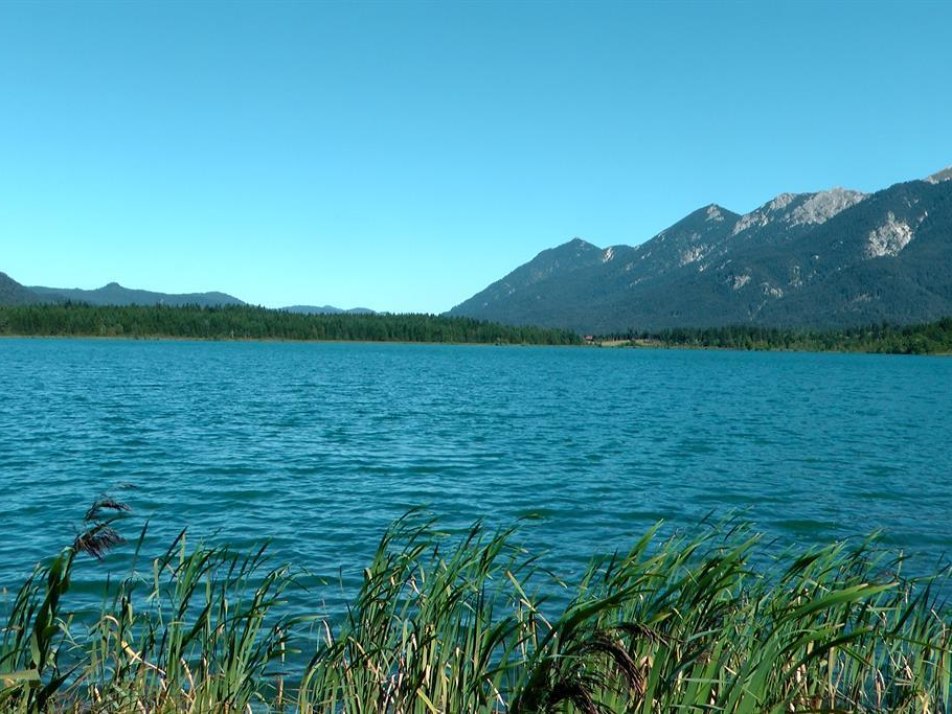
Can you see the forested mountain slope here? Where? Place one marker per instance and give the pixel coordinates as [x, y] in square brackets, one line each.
[829, 259]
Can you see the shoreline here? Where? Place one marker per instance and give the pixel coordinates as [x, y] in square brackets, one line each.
[606, 344]
[272, 340]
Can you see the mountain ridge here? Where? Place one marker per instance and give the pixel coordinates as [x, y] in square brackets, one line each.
[13, 293]
[833, 259]
[327, 310]
[115, 294]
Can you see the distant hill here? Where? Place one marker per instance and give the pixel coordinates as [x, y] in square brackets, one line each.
[12, 293]
[115, 294]
[327, 310]
[830, 259]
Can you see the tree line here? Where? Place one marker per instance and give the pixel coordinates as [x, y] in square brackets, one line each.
[930, 338]
[243, 322]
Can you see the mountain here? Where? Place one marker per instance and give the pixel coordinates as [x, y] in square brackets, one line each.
[943, 175]
[327, 310]
[827, 259]
[12, 293]
[115, 294]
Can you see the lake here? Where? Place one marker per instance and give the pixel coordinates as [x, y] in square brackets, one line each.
[318, 447]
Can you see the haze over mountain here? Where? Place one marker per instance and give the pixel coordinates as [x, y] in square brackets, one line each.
[116, 294]
[828, 259]
[327, 310]
[13, 293]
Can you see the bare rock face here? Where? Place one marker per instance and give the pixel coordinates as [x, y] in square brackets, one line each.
[889, 238]
[822, 206]
[940, 176]
[803, 209]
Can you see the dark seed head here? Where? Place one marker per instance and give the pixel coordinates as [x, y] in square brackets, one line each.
[101, 505]
[97, 540]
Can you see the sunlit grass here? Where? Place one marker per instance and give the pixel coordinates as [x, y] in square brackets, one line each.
[708, 623]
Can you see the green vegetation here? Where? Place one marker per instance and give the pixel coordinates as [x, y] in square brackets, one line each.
[932, 338]
[705, 624]
[242, 322]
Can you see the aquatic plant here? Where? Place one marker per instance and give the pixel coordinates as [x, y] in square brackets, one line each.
[30, 671]
[712, 622]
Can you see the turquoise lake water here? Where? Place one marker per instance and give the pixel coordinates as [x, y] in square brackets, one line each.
[318, 447]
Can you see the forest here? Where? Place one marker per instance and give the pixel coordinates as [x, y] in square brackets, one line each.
[241, 322]
[930, 338]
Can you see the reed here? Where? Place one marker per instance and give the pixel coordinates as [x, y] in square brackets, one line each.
[709, 623]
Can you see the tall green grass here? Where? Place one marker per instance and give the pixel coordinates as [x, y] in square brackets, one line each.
[706, 623]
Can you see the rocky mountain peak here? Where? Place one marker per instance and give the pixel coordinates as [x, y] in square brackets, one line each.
[800, 209]
[781, 202]
[821, 207]
[579, 244]
[940, 176]
[829, 258]
[714, 213]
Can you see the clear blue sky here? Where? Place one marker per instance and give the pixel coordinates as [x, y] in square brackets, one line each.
[402, 156]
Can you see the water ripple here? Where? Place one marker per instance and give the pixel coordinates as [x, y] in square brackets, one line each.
[319, 446]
